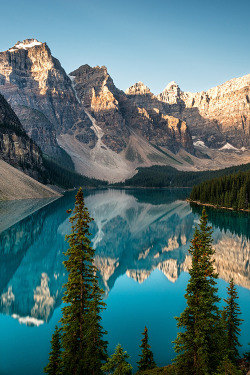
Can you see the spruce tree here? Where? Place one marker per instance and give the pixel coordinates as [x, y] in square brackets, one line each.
[117, 364]
[96, 351]
[77, 333]
[54, 365]
[226, 367]
[146, 361]
[232, 312]
[197, 343]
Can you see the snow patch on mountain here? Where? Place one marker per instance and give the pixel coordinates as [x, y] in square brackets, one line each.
[28, 43]
[200, 144]
[228, 146]
[72, 78]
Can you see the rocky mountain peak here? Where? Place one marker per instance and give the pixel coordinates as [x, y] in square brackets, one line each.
[172, 86]
[138, 89]
[25, 44]
[171, 93]
[40, 92]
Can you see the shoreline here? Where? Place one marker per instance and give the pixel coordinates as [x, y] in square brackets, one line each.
[217, 207]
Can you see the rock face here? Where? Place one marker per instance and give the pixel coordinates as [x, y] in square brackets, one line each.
[16, 148]
[218, 116]
[40, 92]
[119, 117]
[100, 97]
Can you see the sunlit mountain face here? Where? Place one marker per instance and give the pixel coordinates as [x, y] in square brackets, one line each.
[133, 232]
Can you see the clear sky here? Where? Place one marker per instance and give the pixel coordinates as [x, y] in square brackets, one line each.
[199, 44]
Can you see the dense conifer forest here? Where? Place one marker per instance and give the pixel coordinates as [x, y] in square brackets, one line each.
[162, 176]
[231, 191]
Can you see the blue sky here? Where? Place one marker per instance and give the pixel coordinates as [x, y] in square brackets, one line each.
[199, 44]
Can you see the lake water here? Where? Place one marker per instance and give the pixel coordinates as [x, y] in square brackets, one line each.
[141, 239]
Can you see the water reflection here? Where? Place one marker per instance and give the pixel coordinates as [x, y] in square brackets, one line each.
[134, 233]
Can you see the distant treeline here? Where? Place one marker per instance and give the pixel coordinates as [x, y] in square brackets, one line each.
[231, 191]
[163, 176]
[55, 174]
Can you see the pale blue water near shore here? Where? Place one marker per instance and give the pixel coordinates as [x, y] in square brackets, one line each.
[141, 239]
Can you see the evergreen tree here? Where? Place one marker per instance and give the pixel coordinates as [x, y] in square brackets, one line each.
[77, 333]
[146, 361]
[54, 365]
[197, 344]
[226, 367]
[232, 312]
[246, 355]
[117, 364]
[96, 346]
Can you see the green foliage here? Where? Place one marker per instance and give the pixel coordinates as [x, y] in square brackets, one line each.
[226, 367]
[54, 365]
[246, 355]
[57, 175]
[232, 322]
[117, 364]
[165, 176]
[197, 343]
[83, 347]
[167, 370]
[146, 361]
[96, 350]
[237, 222]
[231, 191]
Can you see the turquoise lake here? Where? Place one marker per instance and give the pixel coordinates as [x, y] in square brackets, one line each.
[141, 239]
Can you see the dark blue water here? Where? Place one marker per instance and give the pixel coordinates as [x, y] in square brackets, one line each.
[141, 240]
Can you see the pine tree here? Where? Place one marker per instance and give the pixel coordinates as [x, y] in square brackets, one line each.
[226, 367]
[197, 344]
[96, 346]
[117, 364]
[78, 297]
[146, 361]
[232, 312]
[54, 365]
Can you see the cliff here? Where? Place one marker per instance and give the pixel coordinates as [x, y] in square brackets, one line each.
[16, 148]
[218, 116]
[40, 92]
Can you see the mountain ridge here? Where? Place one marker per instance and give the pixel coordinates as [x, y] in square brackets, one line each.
[109, 133]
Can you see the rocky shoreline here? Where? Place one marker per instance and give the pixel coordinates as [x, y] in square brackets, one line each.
[216, 206]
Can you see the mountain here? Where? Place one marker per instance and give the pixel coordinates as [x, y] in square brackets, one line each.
[84, 122]
[40, 93]
[120, 119]
[126, 136]
[84, 114]
[16, 148]
[219, 117]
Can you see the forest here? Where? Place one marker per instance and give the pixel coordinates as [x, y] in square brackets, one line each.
[231, 191]
[165, 176]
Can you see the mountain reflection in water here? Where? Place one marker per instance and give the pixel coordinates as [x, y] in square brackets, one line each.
[134, 233]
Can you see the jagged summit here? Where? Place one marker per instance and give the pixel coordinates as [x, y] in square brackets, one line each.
[25, 44]
[138, 89]
[86, 68]
[171, 86]
[171, 93]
